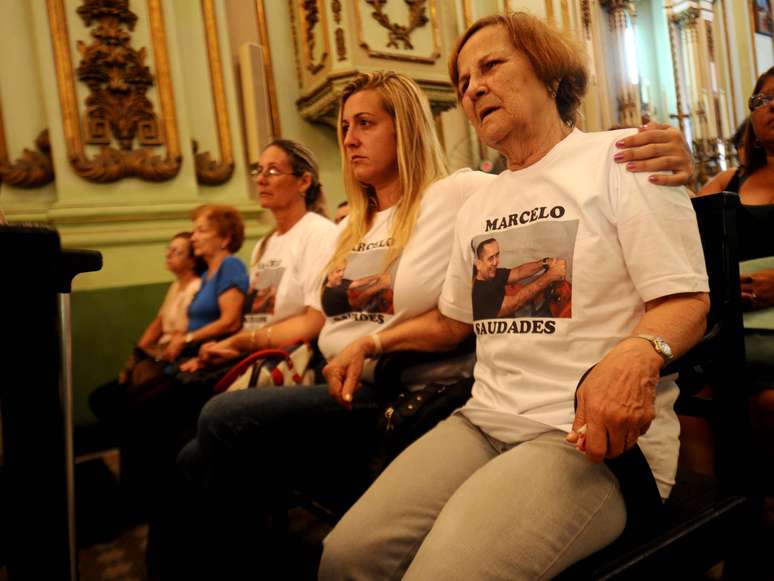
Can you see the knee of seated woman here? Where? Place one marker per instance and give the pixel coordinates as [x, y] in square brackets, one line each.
[344, 553]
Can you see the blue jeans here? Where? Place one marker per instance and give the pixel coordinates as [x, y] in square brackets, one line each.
[252, 448]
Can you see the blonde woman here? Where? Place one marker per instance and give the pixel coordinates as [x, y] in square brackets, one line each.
[513, 484]
[254, 446]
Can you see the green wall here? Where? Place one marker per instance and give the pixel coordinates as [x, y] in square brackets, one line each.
[105, 325]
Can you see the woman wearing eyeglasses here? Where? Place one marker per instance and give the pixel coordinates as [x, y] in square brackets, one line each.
[286, 262]
[753, 180]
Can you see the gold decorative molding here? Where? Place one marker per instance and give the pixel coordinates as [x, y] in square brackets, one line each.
[263, 34]
[467, 13]
[33, 169]
[586, 16]
[341, 45]
[311, 10]
[321, 104]
[687, 19]
[399, 33]
[209, 171]
[296, 52]
[118, 79]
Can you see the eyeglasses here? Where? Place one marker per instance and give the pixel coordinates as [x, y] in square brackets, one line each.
[270, 172]
[759, 101]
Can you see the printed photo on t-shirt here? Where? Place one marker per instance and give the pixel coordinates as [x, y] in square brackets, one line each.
[358, 285]
[524, 271]
[263, 287]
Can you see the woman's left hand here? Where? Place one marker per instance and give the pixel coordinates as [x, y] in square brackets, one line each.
[174, 347]
[657, 147]
[616, 401]
[758, 289]
[343, 371]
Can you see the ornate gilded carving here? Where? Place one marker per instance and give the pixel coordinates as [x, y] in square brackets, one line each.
[687, 19]
[117, 77]
[311, 18]
[33, 169]
[341, 45]
[116, 108]
[398, 32]
[710, 40]
[263, 35]
[586, 15]
[209, 171]
[295, 41]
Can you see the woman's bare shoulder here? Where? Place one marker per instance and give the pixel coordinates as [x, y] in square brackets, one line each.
[718, 183]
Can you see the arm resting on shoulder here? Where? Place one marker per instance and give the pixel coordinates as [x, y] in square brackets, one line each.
[658, 147]
[616, 401]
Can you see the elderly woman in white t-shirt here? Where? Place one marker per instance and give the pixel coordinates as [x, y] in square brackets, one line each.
[385, 268]
[513, 486]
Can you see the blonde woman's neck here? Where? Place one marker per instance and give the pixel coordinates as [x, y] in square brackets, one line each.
[389, 194]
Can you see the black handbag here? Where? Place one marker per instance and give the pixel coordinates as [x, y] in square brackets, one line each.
[413, 413]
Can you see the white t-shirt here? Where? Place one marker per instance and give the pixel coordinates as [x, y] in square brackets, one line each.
[361, 298]
[625, 241]
[283, 283]
[174, 309]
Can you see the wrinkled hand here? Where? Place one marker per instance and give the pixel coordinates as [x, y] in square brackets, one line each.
[616, 401]
[658, 147]
[215, 353]
[758, 289]
[174, 347]
[343, 371]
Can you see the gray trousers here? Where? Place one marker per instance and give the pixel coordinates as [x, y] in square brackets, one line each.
[458, 504]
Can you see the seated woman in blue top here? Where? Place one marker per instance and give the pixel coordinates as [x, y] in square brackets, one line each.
[216, 310]
[156, 418]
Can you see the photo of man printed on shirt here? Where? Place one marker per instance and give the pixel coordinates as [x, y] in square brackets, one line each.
[263, 287]
[358, 285]
[524, 272]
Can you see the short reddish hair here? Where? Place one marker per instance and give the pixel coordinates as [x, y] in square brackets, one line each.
[226, 220]
[556, 59]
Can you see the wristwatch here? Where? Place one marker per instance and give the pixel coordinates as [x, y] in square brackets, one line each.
[188, 338]
[661, 346]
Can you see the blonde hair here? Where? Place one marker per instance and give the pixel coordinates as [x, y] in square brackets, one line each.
[558, 61]
[420, 163]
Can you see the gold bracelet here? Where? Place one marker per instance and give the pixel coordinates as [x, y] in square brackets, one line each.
[252, 339]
